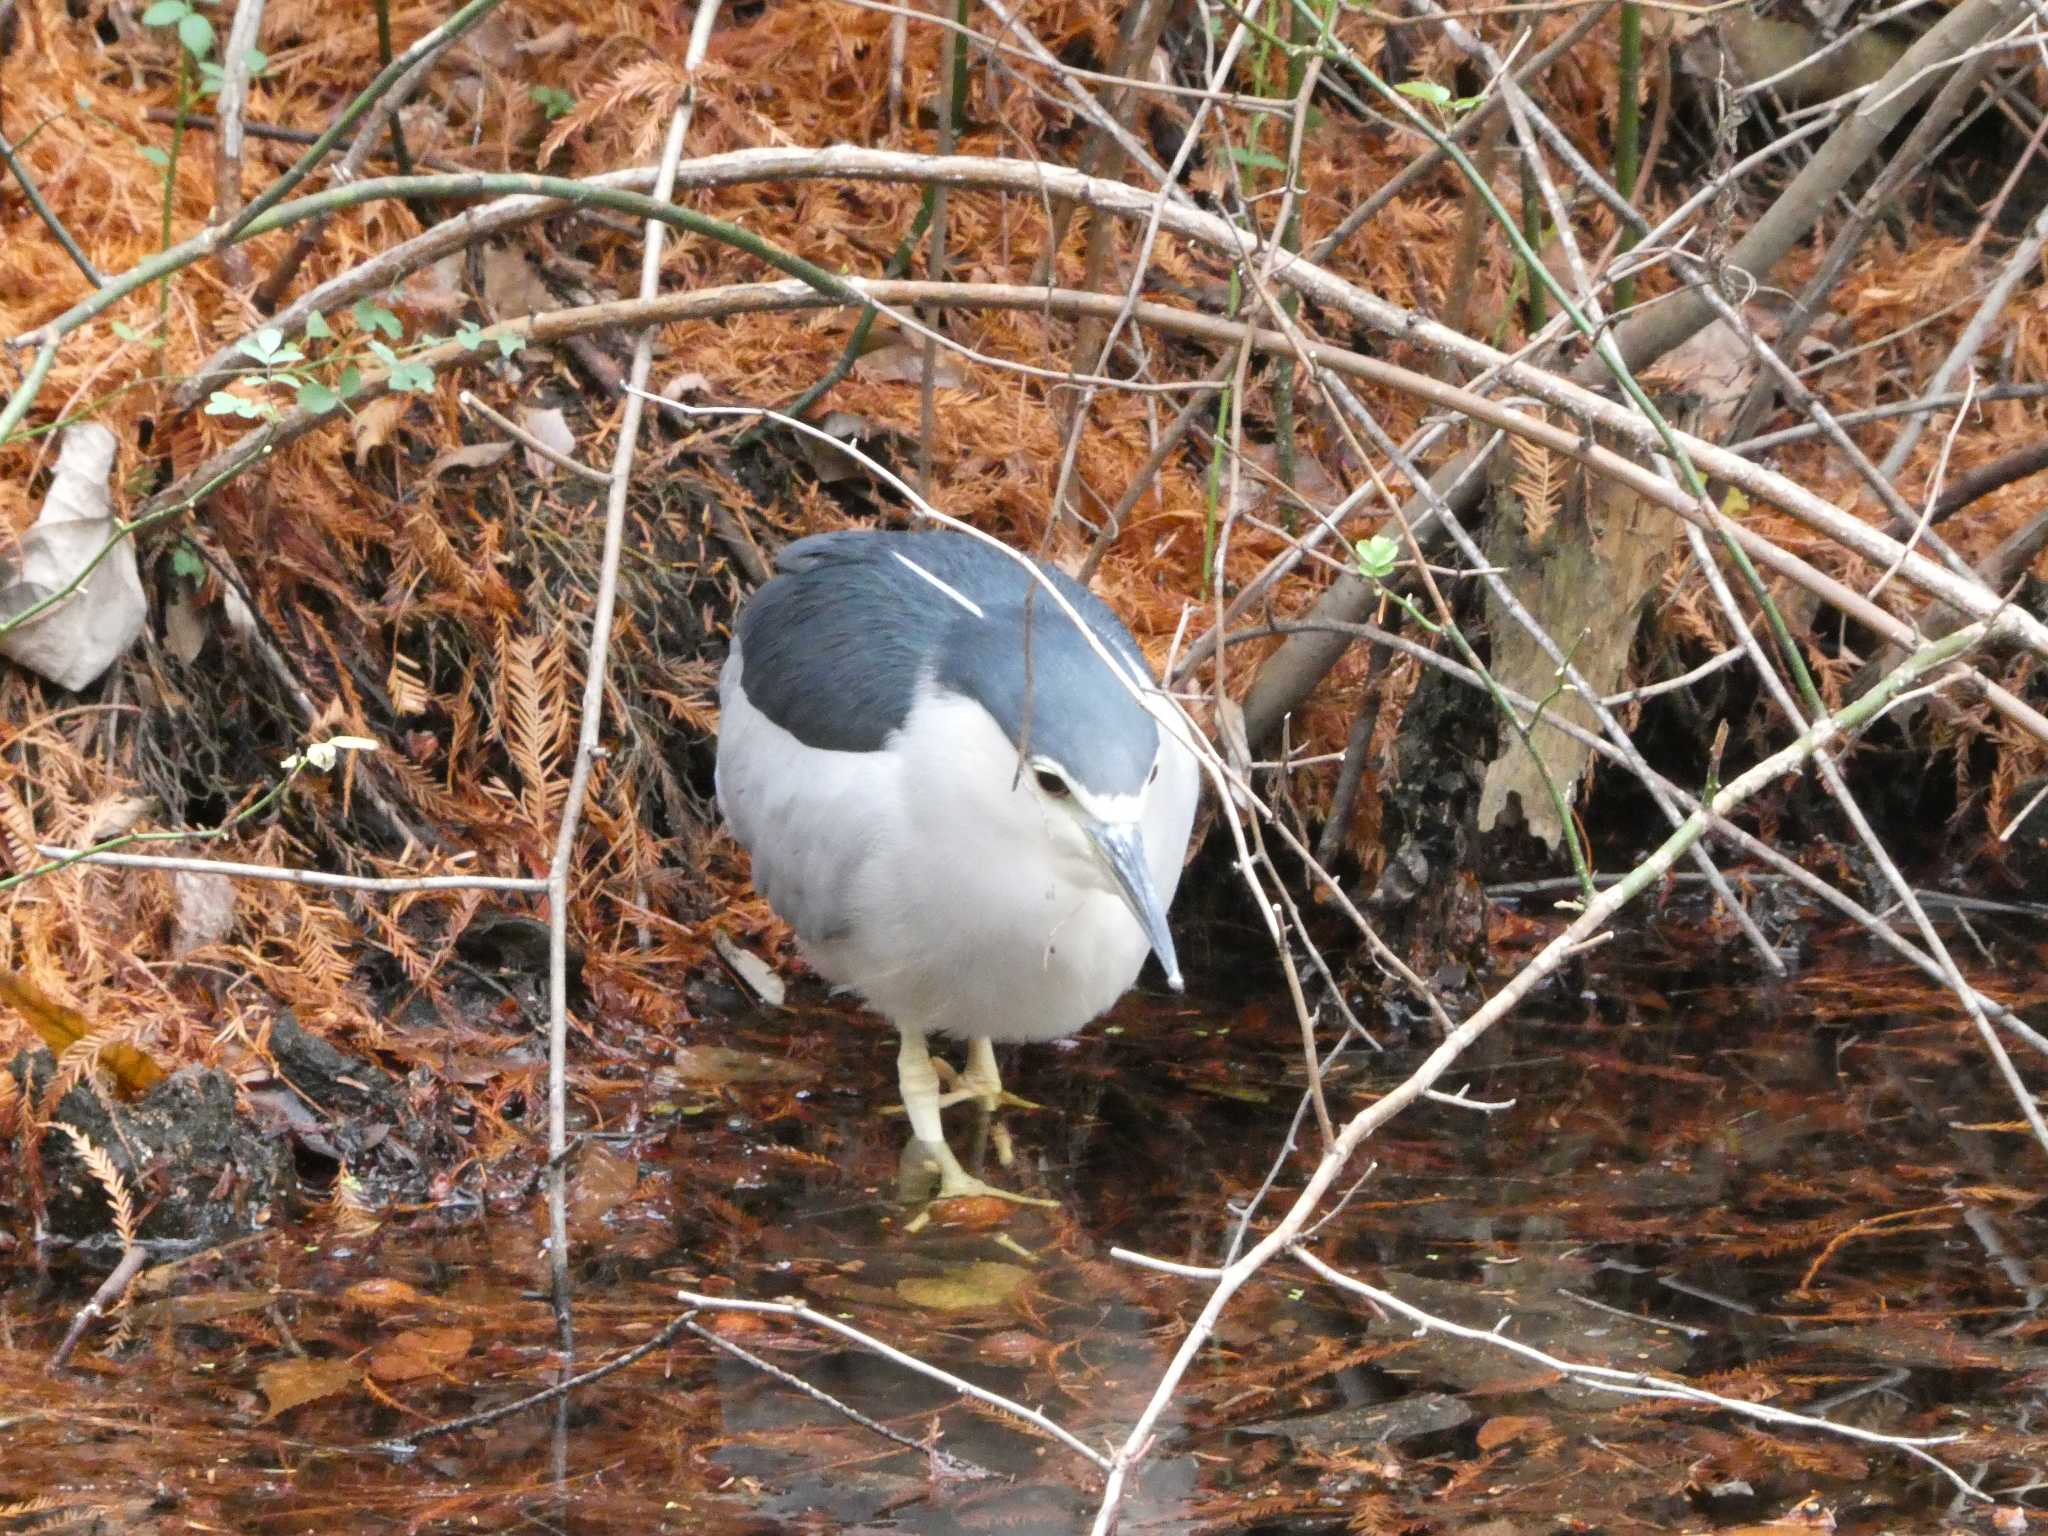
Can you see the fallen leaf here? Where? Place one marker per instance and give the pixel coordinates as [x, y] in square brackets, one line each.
[974, 1213]
[289, 1383]
[84, 632]
[1503, 1427]
[382, 1296]
[512, 284]
[469, 456]
[557, 39]
[184, 629]
[419, 1352]
[757, 974]
[903, 362]
[551, 427]
[375, 424]
[203, 908]
[717, 1064]
[964, 1287]
[601, 1182]
[60, 1028]
[207, 1307]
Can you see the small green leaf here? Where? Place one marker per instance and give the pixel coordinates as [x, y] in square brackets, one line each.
[317, 328]
[469, 336]
[126, 331]
[257, 60]
[412, 378]
[185, 562]
[350, 382]
[1376, 555]
[1425, 90]
[166, 12]
[315, 396]
[156, 157]
[224, 403]
[509, 342]
[1257, 159]
[212, 78]
[384, 354]
[375, 317]
[196, 33]
[263, 345]
[552, 100]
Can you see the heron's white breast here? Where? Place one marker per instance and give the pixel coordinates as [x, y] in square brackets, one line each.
[927, 877]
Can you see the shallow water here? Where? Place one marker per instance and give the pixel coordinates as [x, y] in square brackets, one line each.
[1808, 1193]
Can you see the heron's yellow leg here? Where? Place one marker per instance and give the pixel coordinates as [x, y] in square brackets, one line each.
[918, 1081]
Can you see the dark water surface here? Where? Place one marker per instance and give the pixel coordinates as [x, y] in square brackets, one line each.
[1810, 1193]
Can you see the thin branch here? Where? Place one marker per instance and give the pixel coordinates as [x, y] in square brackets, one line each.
[1584, 927]
[242, 34]
[797, 1312]
[11, 158]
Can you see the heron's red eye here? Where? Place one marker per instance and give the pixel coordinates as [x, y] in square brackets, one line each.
[1052, 784]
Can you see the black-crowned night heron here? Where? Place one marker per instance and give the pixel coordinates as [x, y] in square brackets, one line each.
[966, 816]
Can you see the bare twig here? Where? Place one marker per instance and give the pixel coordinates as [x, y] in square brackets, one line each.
[1585, 926]
[227, 145]
[592, 709]
[797, 1312]
[956, 1464]
[12, 160]
[104, 1300]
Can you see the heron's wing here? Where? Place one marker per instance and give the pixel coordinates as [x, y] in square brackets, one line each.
[837, 643]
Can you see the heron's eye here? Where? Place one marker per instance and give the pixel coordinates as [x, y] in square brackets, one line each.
[1153, 776]
[1052, 784]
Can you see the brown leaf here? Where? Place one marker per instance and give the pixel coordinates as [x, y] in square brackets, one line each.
[601, 1183]
[964, 1287]
[204, 910]
[902, 362]
[1503, 1427]
[551, 427]
[375, 424]
[718, 1064]
[60, 1028]
[419, 1352]
[288, 1383]
[382, 1296]
[469, 456]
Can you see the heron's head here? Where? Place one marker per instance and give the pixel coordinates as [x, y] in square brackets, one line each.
[1098, 837]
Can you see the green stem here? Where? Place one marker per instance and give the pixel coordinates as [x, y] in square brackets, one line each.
[355, 194]
[163, 299]
[1532, 232]
[399, 151]
[1214, 490]
[1628, 129]
[388, 76]
[856, 343]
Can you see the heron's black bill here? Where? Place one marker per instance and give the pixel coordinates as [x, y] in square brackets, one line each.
[1123, 851]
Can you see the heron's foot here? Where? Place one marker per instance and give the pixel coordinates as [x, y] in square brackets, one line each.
[977, 1093]
[925, 1163]
[972, 1087]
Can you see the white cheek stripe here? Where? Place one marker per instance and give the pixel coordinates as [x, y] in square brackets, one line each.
[961, 598]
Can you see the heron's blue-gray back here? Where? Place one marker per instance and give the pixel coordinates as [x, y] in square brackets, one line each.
[855, 623]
